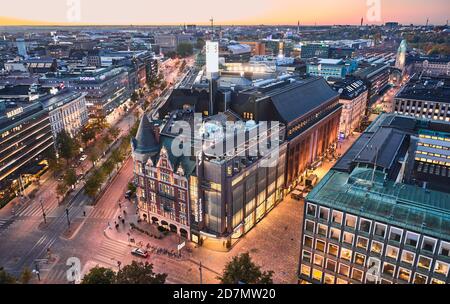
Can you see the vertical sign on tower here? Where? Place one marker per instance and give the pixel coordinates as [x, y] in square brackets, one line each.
[212, 58]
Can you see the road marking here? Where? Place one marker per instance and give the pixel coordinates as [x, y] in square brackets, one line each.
[110, 252]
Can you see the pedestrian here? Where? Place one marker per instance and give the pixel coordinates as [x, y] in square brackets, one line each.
[84, 213]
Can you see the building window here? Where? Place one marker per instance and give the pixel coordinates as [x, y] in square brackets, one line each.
[424, 262]
[335, 234]
[341, 281]
[436, 281]
[392, 252]
[308, 241]
[324, 213]
[328, 279]
[306, 257]
[306, 270]
[348, 238]
[444, 250]
[420, 279]
[364, 225]
[362, 242]
[360, 259]
[344, 270]
[322, 230]
[412, 239]
[404, 274]
[429, 244]
[331, 265]
[357, 275]
[333, 250]
[318, 260]
[395, 234]
[377, 247]
[311, 210]
[441, 268]
[309, 226]
[388, 269]
[320, 245]
[317, 275]
[350, 221]
[346, 254]
[408, 257]
[380, 230]
[337, 217]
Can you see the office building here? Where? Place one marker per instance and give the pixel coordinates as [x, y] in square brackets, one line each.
[378, 216]
[430, 65]
[376, 77]
[424, 97]
[326, 68]
[317, 50]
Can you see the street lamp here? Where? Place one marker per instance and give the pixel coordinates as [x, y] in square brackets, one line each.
[67, 216]
[43, 212]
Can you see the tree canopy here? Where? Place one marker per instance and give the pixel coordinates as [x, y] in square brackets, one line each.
[66, 145]
[185, 49]
[242, 269]
[99, 275]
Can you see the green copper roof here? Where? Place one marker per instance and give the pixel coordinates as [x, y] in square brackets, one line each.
[406, 206]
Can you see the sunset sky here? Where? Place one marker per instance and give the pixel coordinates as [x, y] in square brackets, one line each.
[15, 12]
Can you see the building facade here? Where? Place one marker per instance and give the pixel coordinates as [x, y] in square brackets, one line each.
[326, 68]
[368, 222]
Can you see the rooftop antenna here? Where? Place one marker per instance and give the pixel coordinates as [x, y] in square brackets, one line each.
[362, 21]
[428, 20]
[298, 26]
[212, 27]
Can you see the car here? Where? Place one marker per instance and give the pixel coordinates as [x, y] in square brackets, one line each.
[83, 157]
[139, 252]
[297, 195]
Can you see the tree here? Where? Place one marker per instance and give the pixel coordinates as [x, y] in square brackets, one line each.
[132, 187]
[242, 269]
[99, 275]
[140, 273]
[94, 154]
[70, 178]
[114, 132]
[200, 44]
[185, 49]
[61, 189]
[6, 278]
[93, 183]
[134, 97]
[25, 276]
[87, 134]
[171, 54]
[66, 145]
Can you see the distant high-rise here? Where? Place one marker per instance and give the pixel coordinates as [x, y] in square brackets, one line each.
[401, 56]
[21, 47]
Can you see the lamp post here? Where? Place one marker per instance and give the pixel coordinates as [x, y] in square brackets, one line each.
[43, 212]
[200, 269]
[67, 216]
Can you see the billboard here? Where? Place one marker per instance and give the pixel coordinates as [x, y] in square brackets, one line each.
[212, 58]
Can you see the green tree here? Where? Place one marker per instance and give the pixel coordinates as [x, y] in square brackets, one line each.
[114, 132]
[66, 145]
[61, 189]
[242, 269]
[140, 273]
[25, 276]
[200, 44]
[94, 154]
[6, 278]
[87, 134]
[132, 187]
[185, 49]
[70, 178]
[99, 275]
[93, 183]
[134, 97]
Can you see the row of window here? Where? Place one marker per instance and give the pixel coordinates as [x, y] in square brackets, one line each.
[379, 230]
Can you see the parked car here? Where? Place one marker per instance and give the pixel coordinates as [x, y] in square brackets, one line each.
[129, 194]
[83, 157]
[297, 195]
[139, 252]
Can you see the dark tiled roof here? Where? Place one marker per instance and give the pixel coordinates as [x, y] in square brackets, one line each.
[299, 98]
[145, 141]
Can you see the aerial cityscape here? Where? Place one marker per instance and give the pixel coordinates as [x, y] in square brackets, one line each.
[271, 144]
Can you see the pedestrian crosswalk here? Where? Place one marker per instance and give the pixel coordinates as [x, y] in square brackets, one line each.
[102, 213]
[56, 275]
[110, 252]
[35, 208]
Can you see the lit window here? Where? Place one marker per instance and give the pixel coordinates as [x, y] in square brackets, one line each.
[318, 260]
[360, 259]
[324, 213]
[337, 217]
[408, 257]
[395, 234]
[436, 281]
[308, 241]
[311, 209]
[404, 274]
[441, 268]
[392, 252]
[444, 250]
[388, 269]
[346, 254]
[377, 247]
[344, 270]
[320, 245]
[341, 281]
[328, 279]
[412, 239]
[350, 221]
[357, 275]
[317, 275]
[364, 225]
[362, 242]
[348, 238]
[322, 230]
[428, 244]
[306, 270]
[424, 262]
[420, 279]
[333, 250]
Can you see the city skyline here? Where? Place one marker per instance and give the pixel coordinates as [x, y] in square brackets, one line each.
[322, 12]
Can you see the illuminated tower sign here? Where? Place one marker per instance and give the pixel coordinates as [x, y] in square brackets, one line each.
[212, 59]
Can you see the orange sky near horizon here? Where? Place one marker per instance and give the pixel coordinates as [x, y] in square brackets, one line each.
[244, 12]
